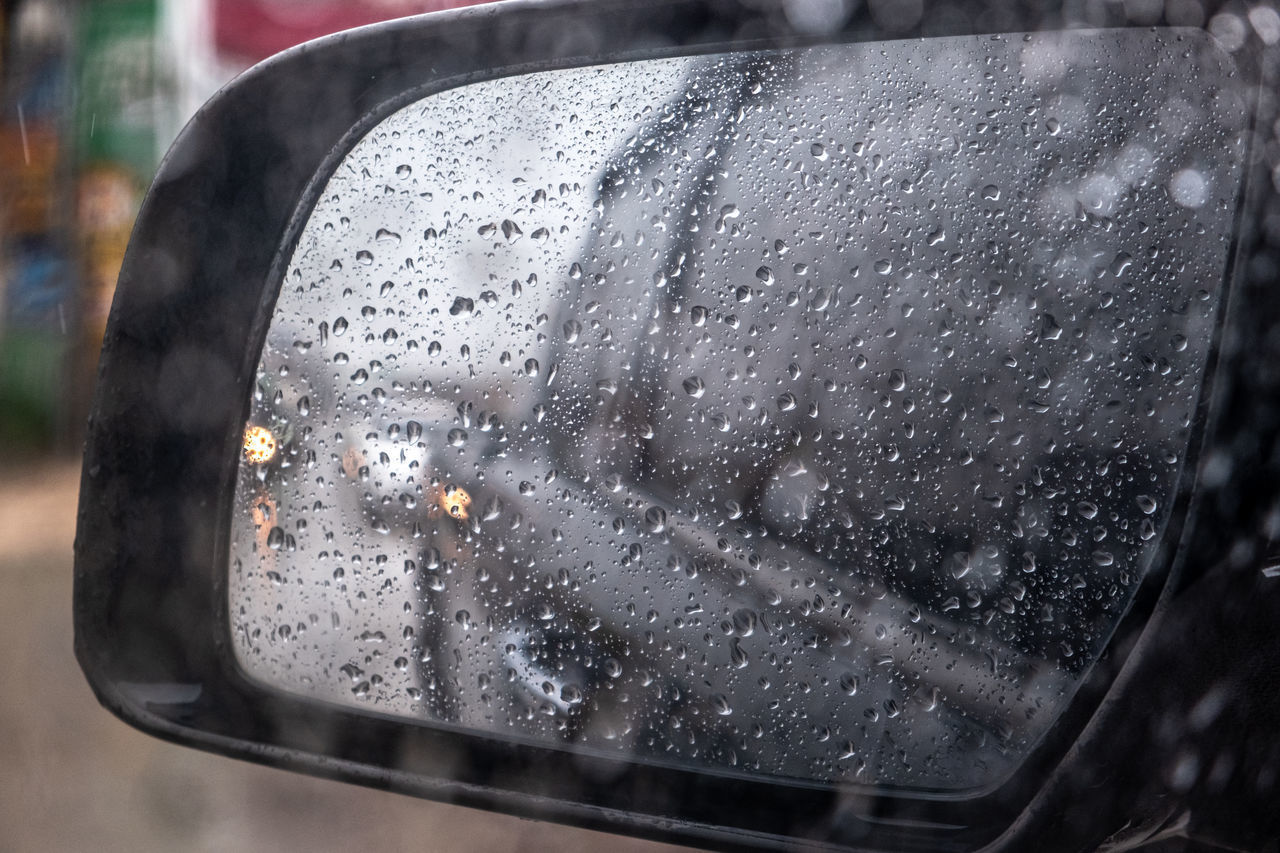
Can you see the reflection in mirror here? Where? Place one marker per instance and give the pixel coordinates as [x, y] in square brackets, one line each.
[812, 414]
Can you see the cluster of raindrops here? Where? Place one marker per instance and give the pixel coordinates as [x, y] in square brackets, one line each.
[812, 413]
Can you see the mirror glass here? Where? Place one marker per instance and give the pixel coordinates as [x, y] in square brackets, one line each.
[810, 414]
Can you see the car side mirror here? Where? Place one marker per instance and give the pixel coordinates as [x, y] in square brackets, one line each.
[730, 423]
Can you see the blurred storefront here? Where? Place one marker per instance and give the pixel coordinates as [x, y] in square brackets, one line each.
[91, 94]
[37, 254]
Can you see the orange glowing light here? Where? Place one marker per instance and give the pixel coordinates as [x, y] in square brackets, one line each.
[259, 444]
[455, 501]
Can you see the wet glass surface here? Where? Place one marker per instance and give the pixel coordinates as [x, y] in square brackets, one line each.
[810, 414]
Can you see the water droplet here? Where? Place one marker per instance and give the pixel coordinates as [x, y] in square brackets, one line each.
[744, 622]
[698, 315]
[462, 307]
[388, 237]
[720, 703]
[849, 684]
[457, 437]
[884, 266]
[364, 257]
[694, 387]
[404, 171]
[786, 402]
[1120, 264]
[339, 327]
[655, 519]
[275, 539]
[1147, 504]
[412, 431]
[304, 406]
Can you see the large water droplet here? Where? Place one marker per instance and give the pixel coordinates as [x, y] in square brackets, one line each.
[744, 622]
[655, 519]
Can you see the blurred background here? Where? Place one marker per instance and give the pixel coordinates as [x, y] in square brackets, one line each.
[91, 95]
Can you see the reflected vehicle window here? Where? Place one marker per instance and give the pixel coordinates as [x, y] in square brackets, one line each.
[811, 413]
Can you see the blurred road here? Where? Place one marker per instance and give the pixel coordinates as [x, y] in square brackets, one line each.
[76, 778]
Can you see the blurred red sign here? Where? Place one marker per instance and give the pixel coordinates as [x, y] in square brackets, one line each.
[255, 29]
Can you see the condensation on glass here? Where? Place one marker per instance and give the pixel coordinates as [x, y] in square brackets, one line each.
[812, 414]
